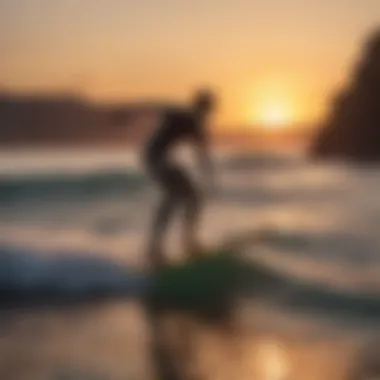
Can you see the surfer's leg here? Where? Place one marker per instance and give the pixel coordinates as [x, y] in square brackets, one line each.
[178, 191]
[160, 225]
[191, 221]
[184, 191]
[166, 176]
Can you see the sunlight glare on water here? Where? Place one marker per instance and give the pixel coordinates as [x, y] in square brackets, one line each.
[270, 361]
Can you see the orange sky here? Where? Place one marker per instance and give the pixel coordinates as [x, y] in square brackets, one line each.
[269, 59]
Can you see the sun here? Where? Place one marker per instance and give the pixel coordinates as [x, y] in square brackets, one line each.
[274, 115]
[273, 105]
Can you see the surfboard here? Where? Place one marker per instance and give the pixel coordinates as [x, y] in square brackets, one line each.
[205, 283]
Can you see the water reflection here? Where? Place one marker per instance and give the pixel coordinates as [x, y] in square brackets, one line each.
[271, 361]
[117, 341]
[171, 358]
[186, 347]
[367, 363]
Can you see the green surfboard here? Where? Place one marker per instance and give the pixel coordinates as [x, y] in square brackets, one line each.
[203, 284]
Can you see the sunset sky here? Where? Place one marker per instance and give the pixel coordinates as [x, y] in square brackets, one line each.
[271, 61]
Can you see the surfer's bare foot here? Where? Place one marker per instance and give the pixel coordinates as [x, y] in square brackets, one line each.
[156, 266]
[156, 260]
[195, 251]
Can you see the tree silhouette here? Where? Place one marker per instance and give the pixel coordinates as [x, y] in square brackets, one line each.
[352, 130]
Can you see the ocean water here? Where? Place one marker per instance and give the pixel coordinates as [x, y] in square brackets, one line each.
[77, 221]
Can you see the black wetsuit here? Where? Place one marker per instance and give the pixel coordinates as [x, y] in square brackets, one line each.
[177, 126]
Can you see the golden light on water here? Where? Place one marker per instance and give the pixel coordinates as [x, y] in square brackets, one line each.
[271, 362]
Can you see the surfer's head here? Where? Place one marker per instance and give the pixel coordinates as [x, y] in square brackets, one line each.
[204, 101]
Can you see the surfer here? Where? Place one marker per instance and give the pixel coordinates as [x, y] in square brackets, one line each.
[176, 127]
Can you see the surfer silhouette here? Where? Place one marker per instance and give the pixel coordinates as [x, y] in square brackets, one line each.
[179, 126]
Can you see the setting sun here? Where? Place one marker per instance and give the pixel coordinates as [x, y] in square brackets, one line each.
[274, 104]
[275, 115]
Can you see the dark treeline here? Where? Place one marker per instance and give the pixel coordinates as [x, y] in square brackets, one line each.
[352, 130]
[61, 119]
